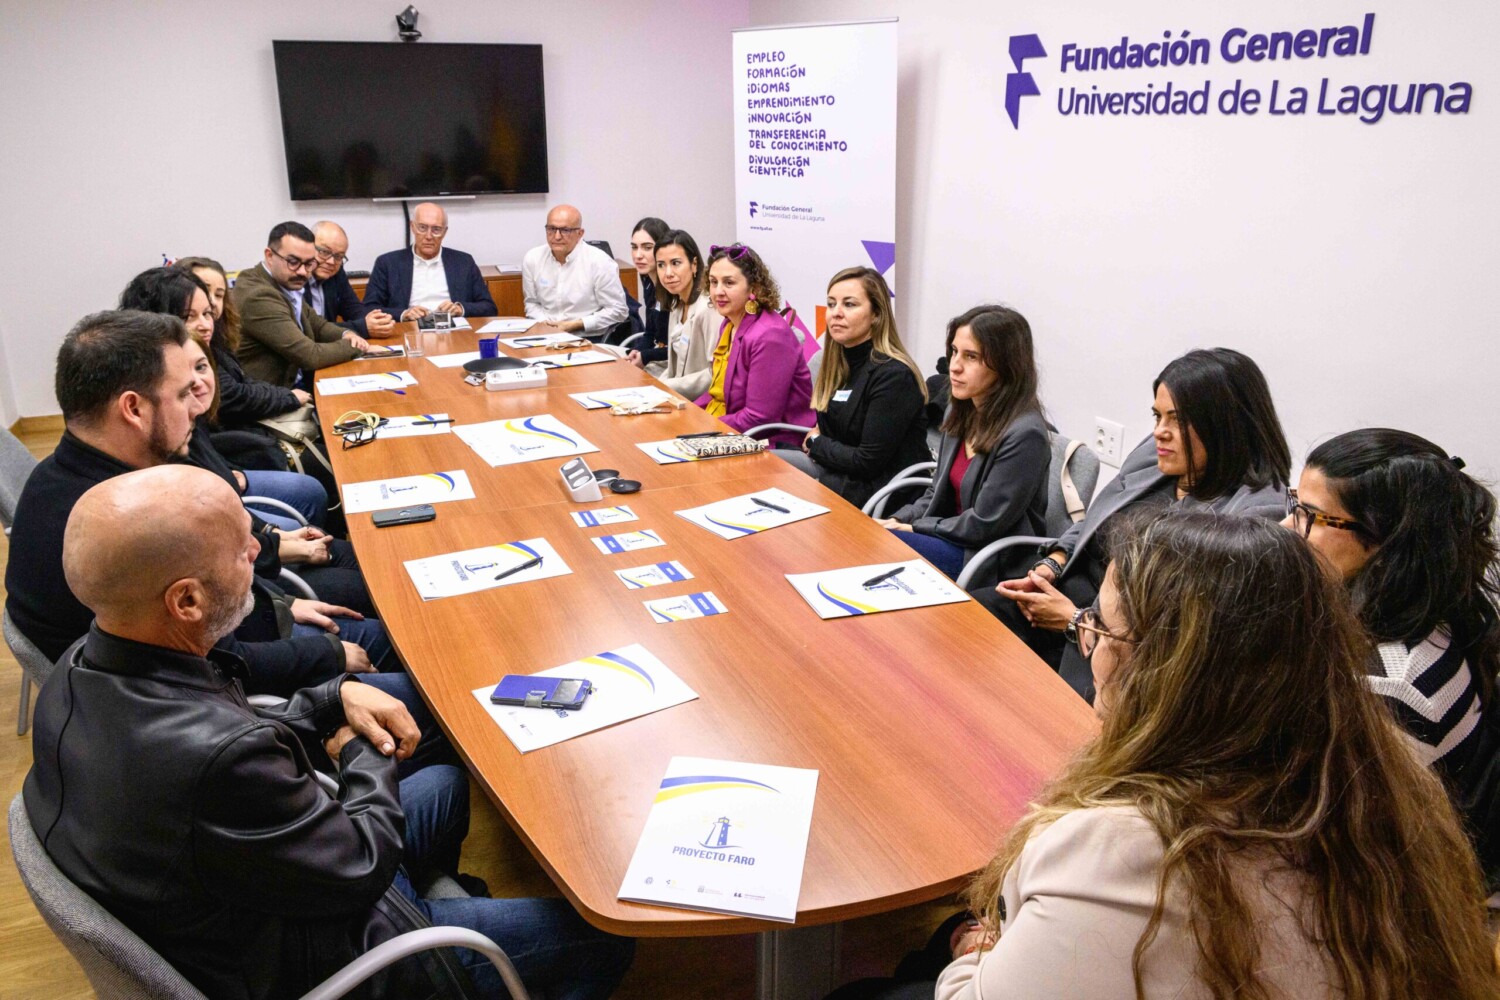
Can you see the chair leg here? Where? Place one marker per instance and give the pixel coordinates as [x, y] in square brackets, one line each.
[23, 716]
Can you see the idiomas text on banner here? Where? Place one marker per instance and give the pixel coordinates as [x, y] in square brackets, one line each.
[1351, 94]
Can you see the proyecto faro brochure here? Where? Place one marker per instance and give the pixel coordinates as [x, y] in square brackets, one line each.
[726, 837]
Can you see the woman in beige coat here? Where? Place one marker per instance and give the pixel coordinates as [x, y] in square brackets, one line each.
[692, 322]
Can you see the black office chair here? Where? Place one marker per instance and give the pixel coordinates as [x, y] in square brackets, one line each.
[602, 245]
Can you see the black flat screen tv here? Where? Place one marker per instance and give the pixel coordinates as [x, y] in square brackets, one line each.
[411, 119]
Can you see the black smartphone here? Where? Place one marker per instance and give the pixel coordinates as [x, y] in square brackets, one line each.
[404, 515]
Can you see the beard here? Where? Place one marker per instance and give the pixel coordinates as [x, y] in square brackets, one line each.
[227, 610]
[163, 449]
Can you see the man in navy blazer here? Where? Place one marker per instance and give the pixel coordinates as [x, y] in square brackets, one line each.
[428, 278]
[332, 294]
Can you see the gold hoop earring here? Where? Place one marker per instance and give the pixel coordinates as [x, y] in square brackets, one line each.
[752, 307]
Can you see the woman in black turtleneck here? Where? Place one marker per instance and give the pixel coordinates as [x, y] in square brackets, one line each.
[869, 395]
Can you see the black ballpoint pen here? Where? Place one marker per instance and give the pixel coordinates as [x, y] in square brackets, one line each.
[872, 581]
[430, 423]
[533, 561]
[770, 506]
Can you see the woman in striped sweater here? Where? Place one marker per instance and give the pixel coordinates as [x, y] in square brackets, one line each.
[1413, 538]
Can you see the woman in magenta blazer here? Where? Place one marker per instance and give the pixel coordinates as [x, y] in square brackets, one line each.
[759, 374]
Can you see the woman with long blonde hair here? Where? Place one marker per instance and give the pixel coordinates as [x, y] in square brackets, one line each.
[1248, 824]
[869, 395]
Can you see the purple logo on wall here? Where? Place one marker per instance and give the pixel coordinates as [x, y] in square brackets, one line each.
[754, 205]
[1020, 83]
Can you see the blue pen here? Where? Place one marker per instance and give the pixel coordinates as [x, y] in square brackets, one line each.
[399, 392]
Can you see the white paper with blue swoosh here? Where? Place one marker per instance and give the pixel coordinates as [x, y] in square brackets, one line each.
[841, 593]
[655, 575]
[628, 541]
[680, 609]
[740, 516]
[603, 515]
[419, 426]
[474, 570]
[384, 494]
[726, 837]
[523, 439]
[374, 382]
[639, 395]
[628, 683]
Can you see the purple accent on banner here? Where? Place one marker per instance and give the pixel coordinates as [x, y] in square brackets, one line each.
[703, 604]
[1020, 83]
[611, 544]
[670, 572]
[882, 254]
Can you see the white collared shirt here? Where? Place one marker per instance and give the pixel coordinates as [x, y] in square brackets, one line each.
[429, 283]
[586, 286]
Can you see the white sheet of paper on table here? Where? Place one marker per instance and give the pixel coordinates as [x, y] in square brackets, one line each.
[740, 516]
[473, 570]
[453, 360]
[685, 608]
[573, 359]
[404, 491]
[602, 515]
[726, 837]
[841, 593]
[396, 427]
[508, 324]
[642, 395]
[627, 542]
[537, 340]
[666, 452]
[655, 575]
[346, 385]
[523, 439]
[628, 683]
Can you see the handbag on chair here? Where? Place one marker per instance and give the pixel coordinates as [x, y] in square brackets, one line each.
[298, 433]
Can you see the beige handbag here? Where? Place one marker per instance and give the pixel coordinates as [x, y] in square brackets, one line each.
[298, 433]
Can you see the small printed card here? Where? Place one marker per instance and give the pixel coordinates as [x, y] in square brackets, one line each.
[573, 359]
[628, 683]
[473, 570]
[679, 609]
[867, 590]
[752, 513]
[374, 382]
[726, 837]
[421, 425]
[453, 360]
[602, 515]
[508, 324]
[627, 542]
[524, 439]
[654, 575]
[407, 491]
[642, 395]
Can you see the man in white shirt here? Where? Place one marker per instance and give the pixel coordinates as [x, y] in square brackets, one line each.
[429, 277]
[571, 287]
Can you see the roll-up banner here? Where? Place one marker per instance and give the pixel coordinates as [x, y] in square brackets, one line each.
[815, 155]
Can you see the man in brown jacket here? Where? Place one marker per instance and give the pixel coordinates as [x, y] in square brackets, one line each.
[279, 332]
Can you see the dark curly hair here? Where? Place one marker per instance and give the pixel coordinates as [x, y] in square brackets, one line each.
[767, 293]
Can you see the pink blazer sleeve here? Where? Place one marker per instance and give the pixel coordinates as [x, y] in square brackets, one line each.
[769, 356]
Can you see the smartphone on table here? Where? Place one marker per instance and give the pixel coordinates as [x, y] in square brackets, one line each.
[541, 692]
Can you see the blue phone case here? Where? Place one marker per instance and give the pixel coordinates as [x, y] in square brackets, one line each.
[535, 692]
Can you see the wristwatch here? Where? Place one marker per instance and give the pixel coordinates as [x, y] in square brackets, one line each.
[1049, 561]
[1071, 629]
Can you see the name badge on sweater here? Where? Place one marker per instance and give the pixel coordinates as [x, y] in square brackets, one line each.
[842, 396]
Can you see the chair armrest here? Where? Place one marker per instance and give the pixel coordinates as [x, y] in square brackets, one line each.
[915, 470]
[990, 551]
[273, 504]
[410, 943]
[296, 583]
[631, 339]
[762, 428]
[875, 506]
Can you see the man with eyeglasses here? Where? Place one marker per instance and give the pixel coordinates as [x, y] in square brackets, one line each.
[280, 332]
[570, 286]
[430, 278]
[330, 291]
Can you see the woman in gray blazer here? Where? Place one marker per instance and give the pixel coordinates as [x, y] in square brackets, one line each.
[991, 478]
[1217, 444]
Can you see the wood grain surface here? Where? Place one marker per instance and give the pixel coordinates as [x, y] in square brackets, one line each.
[930, 728]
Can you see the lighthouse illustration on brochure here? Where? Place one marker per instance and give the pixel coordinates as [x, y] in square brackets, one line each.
[718, 834]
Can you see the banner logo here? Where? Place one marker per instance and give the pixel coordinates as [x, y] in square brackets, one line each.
[754, 205]
[1020, 83]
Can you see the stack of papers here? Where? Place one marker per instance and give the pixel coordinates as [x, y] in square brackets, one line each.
[473, 570]
[508, 324]
[628, 683]
[374, 382]
[867, 590]
[573, 359]
[418, 426]
[725, 837]
[752, 513]
[407, 491]
[524, 439]
[644, 395]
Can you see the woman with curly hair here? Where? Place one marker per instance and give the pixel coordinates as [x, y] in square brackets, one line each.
[759, 374]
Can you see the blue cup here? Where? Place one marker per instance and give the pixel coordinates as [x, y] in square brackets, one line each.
[489, 347]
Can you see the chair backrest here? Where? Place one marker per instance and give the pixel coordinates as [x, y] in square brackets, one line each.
[1082, 467]
[118, 963]
[602, 245]
[16, 463]
[31, 659]
[814, 365]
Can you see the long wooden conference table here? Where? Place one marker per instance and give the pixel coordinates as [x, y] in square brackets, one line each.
[930, 728]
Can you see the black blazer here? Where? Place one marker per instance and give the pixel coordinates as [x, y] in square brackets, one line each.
[390, 283]
[877, 430]
[341, 305]
[244, 400]
[653, 346]
[1004, 492]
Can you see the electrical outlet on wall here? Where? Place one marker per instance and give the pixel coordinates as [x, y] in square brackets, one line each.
[1108, 443]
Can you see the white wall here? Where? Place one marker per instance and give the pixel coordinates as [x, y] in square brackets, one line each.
[1356, 263]
[137, 129]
